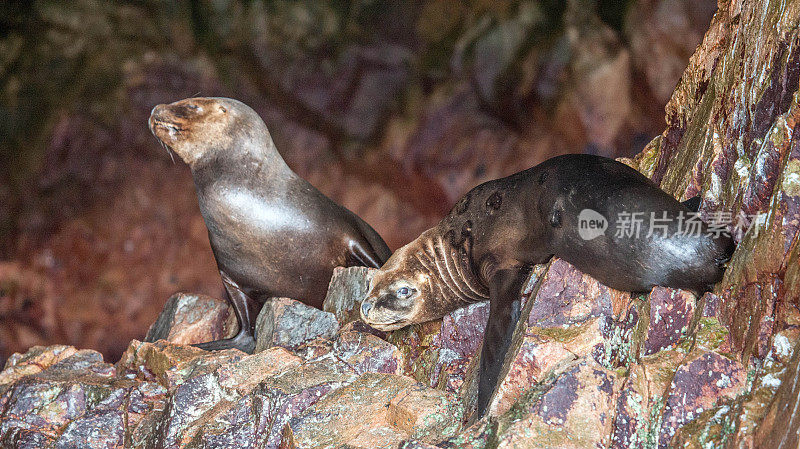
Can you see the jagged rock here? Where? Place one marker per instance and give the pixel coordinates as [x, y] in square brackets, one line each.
[459, 340]
[192, 318]
[671, 312]
[74, 395]
[366, 353]
[640, 402]
[416, 445]
[573, 410]
[698, 385]
[571, 316]
[439, 353]
[289, 323]
[261, 415]
[375, 411]
[346, 291]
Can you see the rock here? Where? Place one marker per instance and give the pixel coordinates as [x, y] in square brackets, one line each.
[289, 323]
[574, 410]
[75, 397]
[34, 361]
[366, 353]
[697, 386]
[413, 444]
[426, 413]
[671, 313]
[346, 291]
[568, 319]
[261, 415]
[191, 318]
[439, 353]
[458, 340]
[540, 355]
[373, 412]
[640, 403]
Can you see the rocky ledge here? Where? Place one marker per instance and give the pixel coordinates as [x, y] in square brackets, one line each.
[589, 366]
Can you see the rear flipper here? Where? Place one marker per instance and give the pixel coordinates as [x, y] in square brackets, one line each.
[504, 310]
[244, 309]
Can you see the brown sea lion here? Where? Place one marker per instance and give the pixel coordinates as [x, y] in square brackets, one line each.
[570, 206]
[272, 233]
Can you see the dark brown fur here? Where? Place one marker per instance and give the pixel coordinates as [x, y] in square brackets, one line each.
[272, 233]
[487, 245]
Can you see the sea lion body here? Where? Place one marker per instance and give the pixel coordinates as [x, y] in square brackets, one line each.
[486, 247]
[272, 233]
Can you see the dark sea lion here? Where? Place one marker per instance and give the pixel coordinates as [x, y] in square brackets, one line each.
[272, 233]
[486, 247]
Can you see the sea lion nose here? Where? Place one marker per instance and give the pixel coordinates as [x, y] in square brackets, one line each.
[156, 109]
[365, 308]
[154, 113]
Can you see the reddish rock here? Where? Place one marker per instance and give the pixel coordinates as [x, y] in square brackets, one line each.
[640, 404]
[426, 413]
[366, 353]
[459, 340]
[193, 318]
[439, 353]
[289, 323]
[697, 386]
[539, 355]
[567, 297]
[572, 316]
[358, 416]
[34, 361]
[574, 410]
[77, 396]
[671, 313]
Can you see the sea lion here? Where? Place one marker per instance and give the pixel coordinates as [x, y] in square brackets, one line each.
[272, 233]
[486, 246]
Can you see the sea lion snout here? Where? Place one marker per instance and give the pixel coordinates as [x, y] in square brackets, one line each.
[391, 303]
[366, 306]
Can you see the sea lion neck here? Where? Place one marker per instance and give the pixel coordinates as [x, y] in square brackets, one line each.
[242, 159]
[456, 281]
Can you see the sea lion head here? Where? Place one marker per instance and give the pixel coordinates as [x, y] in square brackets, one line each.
[400, 290]
[196, 128]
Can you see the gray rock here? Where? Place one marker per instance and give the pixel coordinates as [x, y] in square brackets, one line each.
[289, 323]
[346, 291]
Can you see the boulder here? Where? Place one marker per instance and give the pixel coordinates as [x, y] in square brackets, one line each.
[346, 291]
[193, 318]
[289, 323]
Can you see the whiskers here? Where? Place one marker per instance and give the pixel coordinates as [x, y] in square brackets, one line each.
[171, 156]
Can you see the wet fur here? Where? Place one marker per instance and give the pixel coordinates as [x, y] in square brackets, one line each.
[501, 228]
[272, 233]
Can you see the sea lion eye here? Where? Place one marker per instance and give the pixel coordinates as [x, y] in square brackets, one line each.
[403, 292]
[222, 109]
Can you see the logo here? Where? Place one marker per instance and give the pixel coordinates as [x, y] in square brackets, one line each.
[591, 224]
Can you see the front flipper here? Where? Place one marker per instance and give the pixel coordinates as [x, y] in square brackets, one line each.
[245, 315]
[504, 309]
[362, 254]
